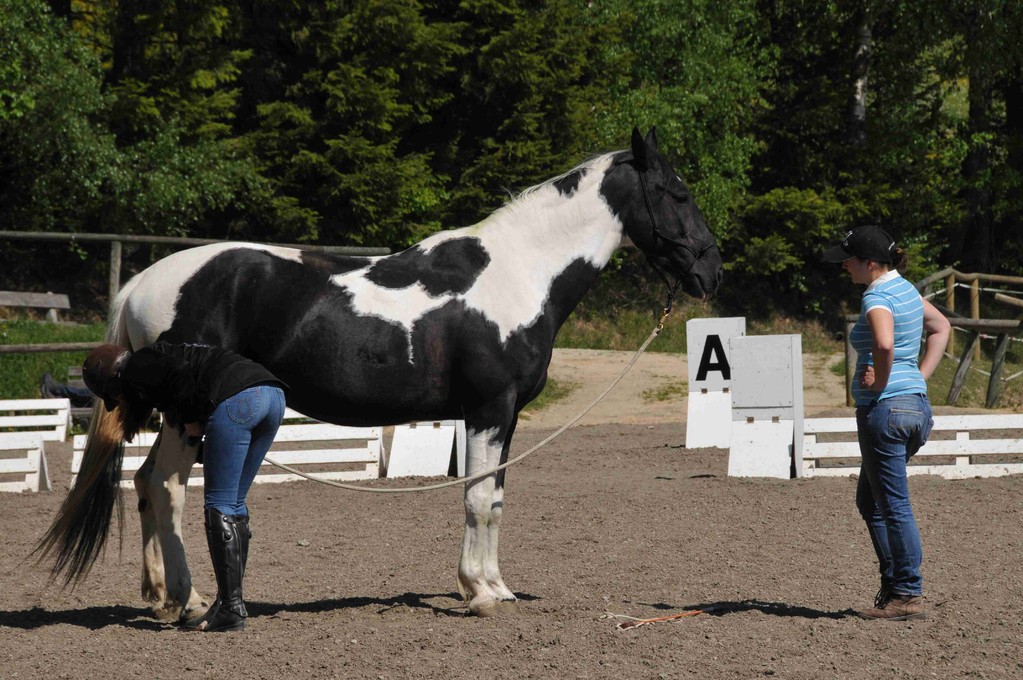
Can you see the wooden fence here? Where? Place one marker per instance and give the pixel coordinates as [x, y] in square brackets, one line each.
[953, 279]
[1003, 330]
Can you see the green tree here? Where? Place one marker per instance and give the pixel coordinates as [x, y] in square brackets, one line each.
[61, 166]
[992, 58]
[897, 113]
[170, 62]
[524, 87]
[333, 113]
[857, 130]
[694, 70]
[383, 122]
[53, 155]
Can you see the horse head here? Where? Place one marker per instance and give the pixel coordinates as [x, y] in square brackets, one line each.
[661, 218]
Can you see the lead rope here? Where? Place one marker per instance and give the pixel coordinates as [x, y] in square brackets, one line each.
[487, 473]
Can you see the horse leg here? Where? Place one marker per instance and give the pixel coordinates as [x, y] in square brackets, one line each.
[160, 484]
[479, 579]
[154, 587]
[491, 568]
[478, 497]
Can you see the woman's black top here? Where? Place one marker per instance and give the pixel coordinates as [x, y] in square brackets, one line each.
[187, 382]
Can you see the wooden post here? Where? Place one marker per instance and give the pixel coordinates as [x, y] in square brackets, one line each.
[52, 315]
[114, 282]
[964, 365]
[1008, 299]
[850, 363]
[50, 347]
[975, 310]
[950, 303]
[994, 384]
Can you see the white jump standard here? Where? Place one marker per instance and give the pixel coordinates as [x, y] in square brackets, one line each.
[709, 410]
[767, 406]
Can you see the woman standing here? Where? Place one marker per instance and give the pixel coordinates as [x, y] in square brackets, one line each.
[893, 414]
[208, 391]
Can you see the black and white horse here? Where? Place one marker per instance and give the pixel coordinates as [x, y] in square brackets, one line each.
[461, 325]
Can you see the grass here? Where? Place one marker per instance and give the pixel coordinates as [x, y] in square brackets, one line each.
[974, 392]
[678, 388]
[553, 391]
[623, 331]
[20, 373]
[816, 339]
[626, 330]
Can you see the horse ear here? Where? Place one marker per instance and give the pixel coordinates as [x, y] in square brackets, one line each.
[639, 149]
[651, 139]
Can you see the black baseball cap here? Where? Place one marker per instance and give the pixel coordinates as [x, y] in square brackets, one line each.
[869, 242]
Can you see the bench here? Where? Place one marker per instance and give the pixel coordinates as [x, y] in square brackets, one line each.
[21, 454]
[324, 450]
[52, 302]
[960, 447]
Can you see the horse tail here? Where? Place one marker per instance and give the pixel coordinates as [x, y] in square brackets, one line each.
[79, 532]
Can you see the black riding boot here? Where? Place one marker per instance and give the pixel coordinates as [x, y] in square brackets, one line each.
[224, 539]
[241, 527]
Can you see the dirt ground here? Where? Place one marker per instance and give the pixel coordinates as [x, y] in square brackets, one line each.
[617, 517]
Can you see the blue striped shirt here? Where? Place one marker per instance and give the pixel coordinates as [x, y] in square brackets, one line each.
[902, 300]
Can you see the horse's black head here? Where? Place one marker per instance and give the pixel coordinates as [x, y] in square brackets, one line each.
[660, 216]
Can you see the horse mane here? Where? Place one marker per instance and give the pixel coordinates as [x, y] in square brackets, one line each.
[117, 328]
[587, 164]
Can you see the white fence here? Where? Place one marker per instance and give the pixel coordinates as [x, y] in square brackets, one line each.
[979, 447]
[329, 451]
[25, 424]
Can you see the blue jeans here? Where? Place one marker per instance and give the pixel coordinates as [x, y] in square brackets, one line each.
[890, 432]
[238, 435]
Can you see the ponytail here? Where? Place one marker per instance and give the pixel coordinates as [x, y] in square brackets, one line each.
[899, 259]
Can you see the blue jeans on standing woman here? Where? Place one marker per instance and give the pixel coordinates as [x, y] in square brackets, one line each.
[238, 435]
[890, 432]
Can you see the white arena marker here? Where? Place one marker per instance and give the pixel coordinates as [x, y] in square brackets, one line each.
[425, 449]
[709, 413]
[767, 406]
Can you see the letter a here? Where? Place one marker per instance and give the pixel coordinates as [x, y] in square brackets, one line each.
[713, 345]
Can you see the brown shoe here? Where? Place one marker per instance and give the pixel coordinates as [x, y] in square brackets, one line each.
[895, 607]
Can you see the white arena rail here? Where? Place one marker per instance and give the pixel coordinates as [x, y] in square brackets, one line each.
[966, 455]
[309, 445]
[22, 456]
[25, 426]
[49, 418]
[135, 453]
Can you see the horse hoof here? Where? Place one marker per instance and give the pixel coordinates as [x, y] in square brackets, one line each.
[189, 618]
[168, 613]
[494, 608]
[484, 610]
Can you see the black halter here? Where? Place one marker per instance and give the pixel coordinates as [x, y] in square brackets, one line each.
[658, 234]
